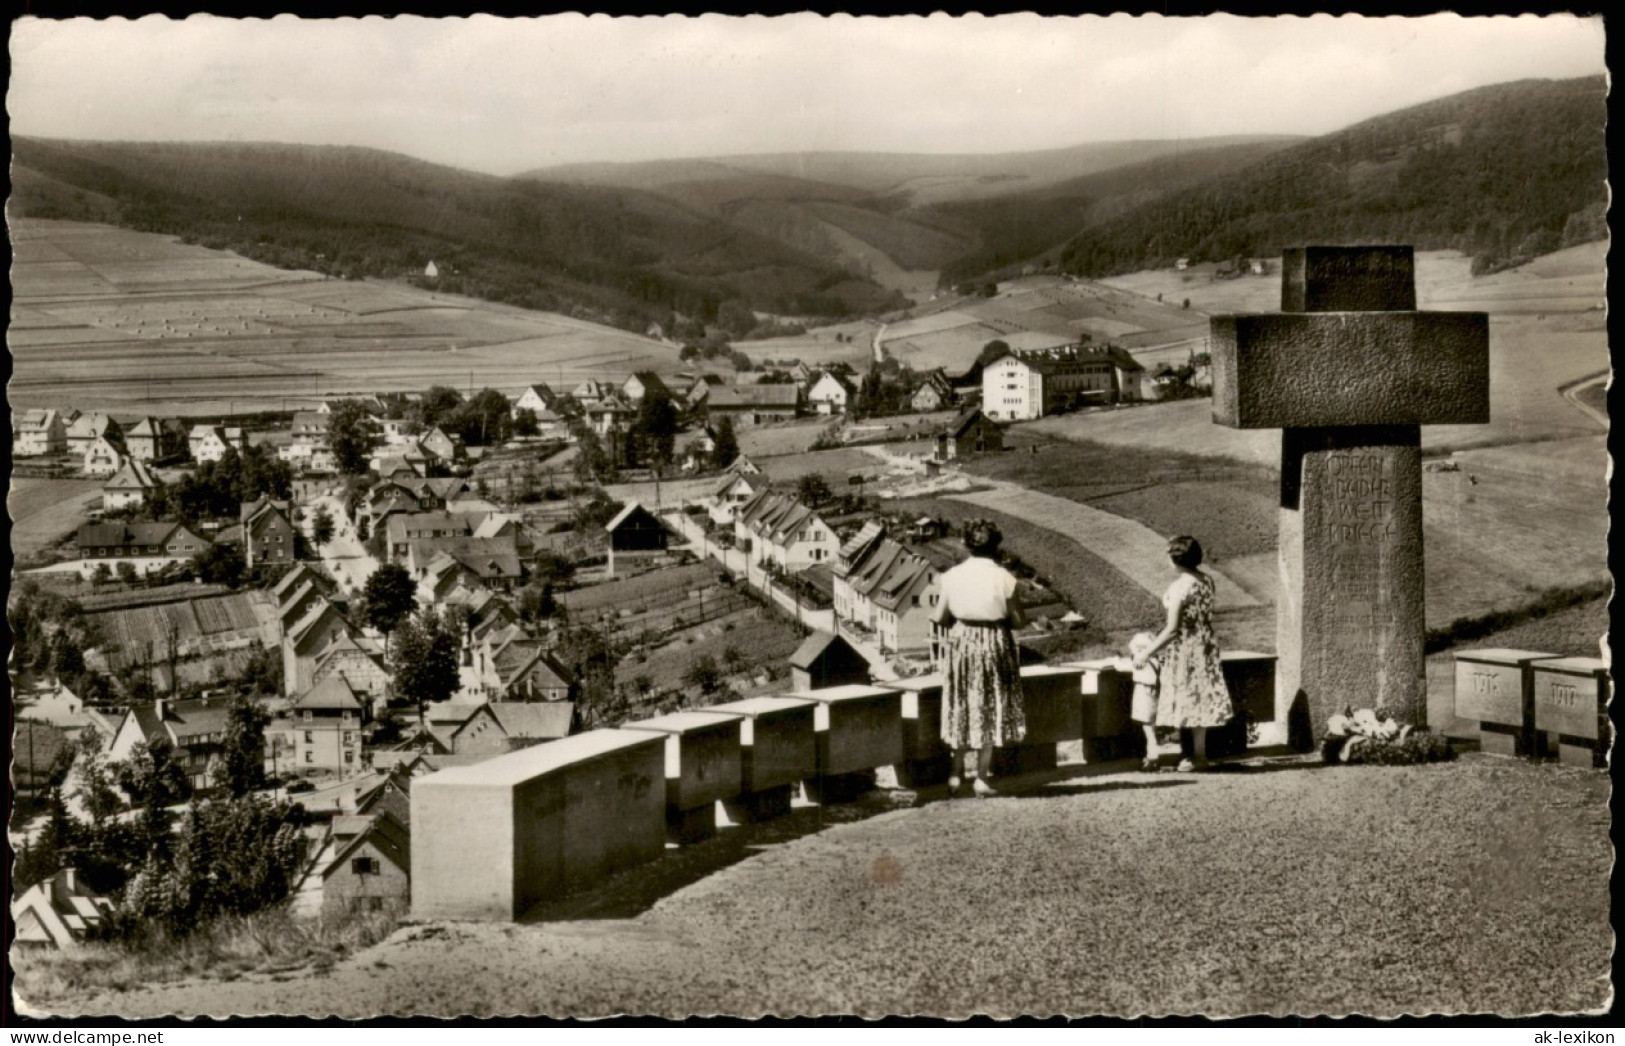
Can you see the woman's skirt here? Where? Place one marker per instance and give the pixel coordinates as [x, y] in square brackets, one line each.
[981, 692]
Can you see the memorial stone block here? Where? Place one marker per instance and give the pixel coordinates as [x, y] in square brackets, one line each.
[1108, 702]
[1571, 709]
[859, 729]
[1250, 678]
[492, 839]
[702, 768]
[1052, 704]
[926, 760]
[778, 750]
[1496, 687]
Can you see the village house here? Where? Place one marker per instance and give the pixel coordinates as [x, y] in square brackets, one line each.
[732, 492]
[753, 404]
[699, 390]
[268, 534]
[934, 393]
[88, 428]
[210, 442]
[635, 531]
[536, 398]
[904, 602]
[359, 663]
[852, 554]
[306, 640]
[519, 670]
[364, 864]
[326, 726]
[146, 546]
[860, 580]
[401, 529]
[195, 730]
[826, 660]
[743, 466]
[37, 432]
[609, 414]
[643, 382]
[972, 432]
[58, 912]
[493, 563]
[801, 374]
[102, 457]
[777, 528]
[829, 394]
[129, 487]
[151, 440]
[440, 447]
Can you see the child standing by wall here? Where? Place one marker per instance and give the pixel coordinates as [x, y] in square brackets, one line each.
[1144, 708]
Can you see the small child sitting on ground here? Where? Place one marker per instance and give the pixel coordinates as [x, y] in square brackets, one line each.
[1144, 708]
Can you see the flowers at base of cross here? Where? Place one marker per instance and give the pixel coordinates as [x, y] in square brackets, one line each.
[1373, 736]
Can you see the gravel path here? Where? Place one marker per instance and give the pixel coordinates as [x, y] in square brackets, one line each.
[1281, 888]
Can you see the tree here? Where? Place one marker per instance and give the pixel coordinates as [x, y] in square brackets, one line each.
[425, 661]
[537, 604]
[736, 318]
[703, 675]
[483, 420]
[524, 422]
[438, 404]
[321, 526]
[725, 444]
[67, 659]
[352, 434]
[242, 758]
[656, 427]
[390, 596]
[222, 565]
[813, 490]
[126, 571]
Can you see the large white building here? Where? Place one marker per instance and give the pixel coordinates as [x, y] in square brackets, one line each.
[1021, 386]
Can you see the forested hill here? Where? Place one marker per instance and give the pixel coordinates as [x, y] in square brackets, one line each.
[610, 254]
[1503, 173]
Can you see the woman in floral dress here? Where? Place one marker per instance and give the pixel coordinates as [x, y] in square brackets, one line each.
[1193, 695]
[981, 692]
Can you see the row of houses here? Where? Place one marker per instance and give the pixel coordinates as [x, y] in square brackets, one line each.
[102, 443]
[888, 590]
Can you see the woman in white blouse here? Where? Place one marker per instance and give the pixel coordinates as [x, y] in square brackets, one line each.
[981, 694]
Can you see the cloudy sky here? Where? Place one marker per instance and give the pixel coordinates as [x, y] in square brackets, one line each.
[503, 96]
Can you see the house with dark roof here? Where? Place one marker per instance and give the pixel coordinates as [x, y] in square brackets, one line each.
[402, 529]
[59, 913]
[972, 432]
[753, 404]
[359, 663]
[325, 724]
[87, 428]
[130, 486]
[210, 442]
[364, 864]
[304, 642]
[904, 602]
[635, 530]
[148, 546]
[732, 491]
[154, 440]
[824, 660]
[268, 534]
[194, 729]
[643, 382]
[935, 392]
[777, 528]
[533, 722]
[829, 394]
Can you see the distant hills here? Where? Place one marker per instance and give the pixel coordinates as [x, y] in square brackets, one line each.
[1503, 172]
[615, 255]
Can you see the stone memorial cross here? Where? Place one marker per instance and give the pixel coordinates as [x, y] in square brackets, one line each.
[1349, 370]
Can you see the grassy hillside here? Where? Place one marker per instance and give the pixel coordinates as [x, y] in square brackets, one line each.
[1503, 173]
[611, 254]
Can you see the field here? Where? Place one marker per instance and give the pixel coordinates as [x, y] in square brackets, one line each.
[110, 319]
[1114, 606]
[763, 641]
[43, 511]
[201, 627]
